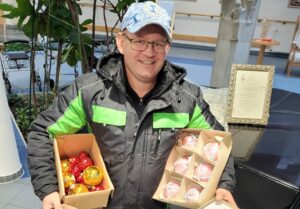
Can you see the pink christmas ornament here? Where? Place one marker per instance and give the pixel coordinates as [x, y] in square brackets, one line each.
[181, 165]
[171, 190]
[193, 193]
[189, 140]
[202, 172]
[210, 151]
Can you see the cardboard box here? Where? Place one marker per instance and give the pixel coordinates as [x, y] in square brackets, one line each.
[70, 145]
[187, 179]
[213, 204]
[68, 207]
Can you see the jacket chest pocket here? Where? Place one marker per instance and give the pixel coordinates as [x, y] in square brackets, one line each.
[165, 130]
[108, 126]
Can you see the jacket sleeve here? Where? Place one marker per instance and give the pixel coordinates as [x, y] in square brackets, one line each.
[64, 116]
[227, 180]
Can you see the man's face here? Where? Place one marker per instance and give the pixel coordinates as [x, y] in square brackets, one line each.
[143, 65]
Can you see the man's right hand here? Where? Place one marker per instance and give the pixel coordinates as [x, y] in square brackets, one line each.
[52, 201]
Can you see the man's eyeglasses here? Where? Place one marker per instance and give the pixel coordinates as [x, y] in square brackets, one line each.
[141, 45]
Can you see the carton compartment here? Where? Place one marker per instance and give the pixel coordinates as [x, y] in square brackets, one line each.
[169, 187]
[192, 191]
[189, 139]
[70, 145]
[211, 150]
[179, 161]
[202, 170]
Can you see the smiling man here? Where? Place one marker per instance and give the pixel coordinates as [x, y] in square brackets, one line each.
[134, 104]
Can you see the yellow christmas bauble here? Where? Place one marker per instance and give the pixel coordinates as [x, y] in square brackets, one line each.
[65, 165]
[77, 189]
[69, 179]
[92, 175]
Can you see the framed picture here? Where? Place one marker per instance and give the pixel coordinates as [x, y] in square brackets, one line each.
[294, 3]
[249, 94]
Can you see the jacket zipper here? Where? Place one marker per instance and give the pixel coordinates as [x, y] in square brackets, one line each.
[157, 143]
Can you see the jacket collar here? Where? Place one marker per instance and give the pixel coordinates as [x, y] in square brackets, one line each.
[111, 67]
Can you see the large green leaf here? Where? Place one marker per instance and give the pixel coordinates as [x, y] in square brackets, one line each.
[86, 22]
[66, 53]
[6, 7]
[71, 59]
[29, 29]
[74, 37]
[59, 32]
[86, 39]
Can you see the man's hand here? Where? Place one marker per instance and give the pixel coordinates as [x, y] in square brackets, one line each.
[225, 195]
[52, 201]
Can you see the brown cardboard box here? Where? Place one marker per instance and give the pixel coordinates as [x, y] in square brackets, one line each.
[68, 207]
[213, 204]
[69, 145]
[187, 179]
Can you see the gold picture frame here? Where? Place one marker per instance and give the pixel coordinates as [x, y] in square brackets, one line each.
[294, 3]
[249, 94]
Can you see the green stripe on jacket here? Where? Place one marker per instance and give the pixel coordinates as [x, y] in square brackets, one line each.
[109, 116]
[198, 120]
[72, 120]
[180, 120]
[170, 120]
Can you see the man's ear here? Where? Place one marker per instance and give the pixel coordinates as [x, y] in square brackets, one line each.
[168, 49]
[120, 42]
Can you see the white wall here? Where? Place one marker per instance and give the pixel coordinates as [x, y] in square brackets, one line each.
[272, 9]
[205, 26]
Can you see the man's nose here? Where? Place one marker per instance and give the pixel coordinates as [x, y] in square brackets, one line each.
[150, 51]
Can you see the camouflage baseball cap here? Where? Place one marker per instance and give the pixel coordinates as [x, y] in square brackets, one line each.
[142, 14]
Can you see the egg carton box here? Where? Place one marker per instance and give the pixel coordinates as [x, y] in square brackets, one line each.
[194, 168]
[70, 145]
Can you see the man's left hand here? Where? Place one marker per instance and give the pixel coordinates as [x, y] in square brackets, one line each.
[225, 195]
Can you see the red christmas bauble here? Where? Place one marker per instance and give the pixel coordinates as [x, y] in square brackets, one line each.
[97, 188]
[85, 162]
[79, 178]
[76, 170]
[83, 154]
[74, 160]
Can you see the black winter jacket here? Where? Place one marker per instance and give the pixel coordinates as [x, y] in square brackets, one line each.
[135, 138]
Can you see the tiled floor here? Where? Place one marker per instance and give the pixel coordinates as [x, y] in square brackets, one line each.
[18, 195]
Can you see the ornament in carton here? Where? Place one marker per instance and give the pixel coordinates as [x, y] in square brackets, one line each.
[82, 177]
[194, 168]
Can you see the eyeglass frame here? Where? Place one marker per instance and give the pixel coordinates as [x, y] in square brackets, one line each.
[146, 44]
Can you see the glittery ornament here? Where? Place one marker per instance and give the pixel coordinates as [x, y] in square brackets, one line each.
[181, 165]
[188, 140]
[75, 170]
[83, 154]
[97, 188]
[193, 193]
[65, 165]
[85, 162]
[77, 189]
[202, 172]
[74, 160]
[210, 151]
[92, 175]
[171, 190]
[69, 179]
